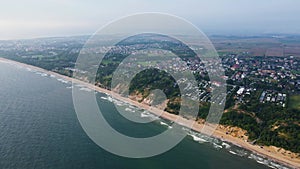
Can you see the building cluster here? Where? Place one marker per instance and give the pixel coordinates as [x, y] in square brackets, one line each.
[273, 97]
[272, 77]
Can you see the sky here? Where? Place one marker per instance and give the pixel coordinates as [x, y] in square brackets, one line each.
[20, 19]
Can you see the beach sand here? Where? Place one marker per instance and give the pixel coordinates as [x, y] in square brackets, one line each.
[233, 135]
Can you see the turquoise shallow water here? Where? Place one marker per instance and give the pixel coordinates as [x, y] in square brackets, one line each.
[39, 129]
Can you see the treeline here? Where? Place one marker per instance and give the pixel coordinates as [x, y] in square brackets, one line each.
[268, 125]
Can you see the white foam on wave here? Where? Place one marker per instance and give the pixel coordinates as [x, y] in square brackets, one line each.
[276, 165]
[217, 146]
[118, 102]
[227, 146]
[104, 98]
[239, 152]
[41, 74]
[28, 69]
[146, 114]
[63, 81]
[165, 124]
[85, 89]
[129, 110]
[266, 162]
[197, 138]
[242, 152]
[132, 107]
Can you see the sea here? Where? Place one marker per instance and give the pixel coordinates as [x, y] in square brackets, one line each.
[39, 129]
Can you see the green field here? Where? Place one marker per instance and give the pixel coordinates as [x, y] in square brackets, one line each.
[294, 102]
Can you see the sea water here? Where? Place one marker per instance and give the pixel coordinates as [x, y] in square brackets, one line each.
[39, 129]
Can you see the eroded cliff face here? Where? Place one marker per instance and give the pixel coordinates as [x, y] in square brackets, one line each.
[148, 100]
[146, 97]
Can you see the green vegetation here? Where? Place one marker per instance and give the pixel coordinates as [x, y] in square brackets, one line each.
[151, 79]
[266, 123]
[294, 102]
[243, 121]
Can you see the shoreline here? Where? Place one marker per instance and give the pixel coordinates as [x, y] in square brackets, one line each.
[273, 153]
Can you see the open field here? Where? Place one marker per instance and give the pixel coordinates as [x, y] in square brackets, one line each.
[259, 45]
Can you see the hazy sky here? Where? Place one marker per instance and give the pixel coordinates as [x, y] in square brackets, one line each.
[39, 18]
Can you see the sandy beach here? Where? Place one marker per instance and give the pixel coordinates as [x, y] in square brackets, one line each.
[233, 135]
